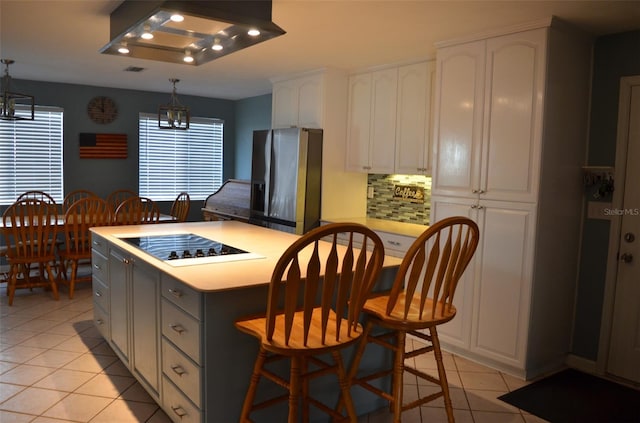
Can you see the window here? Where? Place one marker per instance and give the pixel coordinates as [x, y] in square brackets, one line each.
[172, 161]
[31, 155]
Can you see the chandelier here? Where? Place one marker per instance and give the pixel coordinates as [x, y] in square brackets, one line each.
[173, 115]
[14, 106]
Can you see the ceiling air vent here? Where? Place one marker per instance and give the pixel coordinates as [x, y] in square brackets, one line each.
[133, 69]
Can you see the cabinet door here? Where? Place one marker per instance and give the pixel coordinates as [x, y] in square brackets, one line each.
[310, 101]
[284, 104]
[503, 288]
[119, 291]
[457, 332]
[145, 317]
[359, 123]
[413, 122]
[513, 116]
[384, 92]
[458, 119]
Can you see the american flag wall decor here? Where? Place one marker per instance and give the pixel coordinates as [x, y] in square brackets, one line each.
[103, 146]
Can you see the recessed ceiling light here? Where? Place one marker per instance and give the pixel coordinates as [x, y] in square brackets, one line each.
[177, 18]
[188, 58]
[147, 35]
[253, 32]
[216, 45]
[123, 49]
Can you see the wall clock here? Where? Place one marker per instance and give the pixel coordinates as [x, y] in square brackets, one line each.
[102, 109]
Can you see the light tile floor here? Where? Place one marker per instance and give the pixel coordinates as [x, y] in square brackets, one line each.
[55, 367]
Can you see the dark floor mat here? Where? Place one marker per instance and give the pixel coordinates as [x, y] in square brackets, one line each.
[573, 396]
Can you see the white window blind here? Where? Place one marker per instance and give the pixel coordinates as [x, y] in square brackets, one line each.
[172, 161]
[31, 155]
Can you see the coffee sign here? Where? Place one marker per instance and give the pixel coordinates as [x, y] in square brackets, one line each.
[411, 193]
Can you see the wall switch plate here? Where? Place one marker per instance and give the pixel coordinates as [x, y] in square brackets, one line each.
[369, 192]
[599, 210]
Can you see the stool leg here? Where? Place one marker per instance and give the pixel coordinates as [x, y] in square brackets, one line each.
[294, 388]
[253, 385]
[398, 372]
[442, 374]
[345, 387]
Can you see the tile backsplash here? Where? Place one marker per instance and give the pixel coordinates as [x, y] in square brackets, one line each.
[383, 205]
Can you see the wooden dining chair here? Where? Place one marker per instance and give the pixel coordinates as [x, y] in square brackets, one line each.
[74, 196]
[180, 207]
[30, 231]
[40, 195]
[315, 296]
[420, 299]
[79, 218]
[137, 210]
[115, 198]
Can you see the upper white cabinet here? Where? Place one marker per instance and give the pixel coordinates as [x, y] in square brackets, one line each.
[298, 102]
[489, 117]
[372, 121]
[414, 119]
[510, 131]
[389, 124]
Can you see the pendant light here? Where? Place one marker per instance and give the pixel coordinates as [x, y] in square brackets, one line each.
[14, 106]
[173, 115]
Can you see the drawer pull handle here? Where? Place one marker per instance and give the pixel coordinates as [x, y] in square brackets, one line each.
[178, 369]
[98, 294]
[98, 243]
[175, 292]
[395, 243]
[177, 328]
[100, 322]
[96, 266]
[180, 412]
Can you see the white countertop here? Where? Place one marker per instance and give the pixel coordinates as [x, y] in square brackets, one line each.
[266, 242]
[390, 226]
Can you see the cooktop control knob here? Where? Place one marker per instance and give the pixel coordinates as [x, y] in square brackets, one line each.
[186, 254]
[173, 255]
[199, 253]
[212, 252]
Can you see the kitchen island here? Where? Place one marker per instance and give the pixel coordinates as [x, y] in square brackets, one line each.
[172, 325]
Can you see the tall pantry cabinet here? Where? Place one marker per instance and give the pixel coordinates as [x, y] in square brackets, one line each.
[509, 142]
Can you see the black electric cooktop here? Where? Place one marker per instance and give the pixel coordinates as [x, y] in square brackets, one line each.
[176, 248]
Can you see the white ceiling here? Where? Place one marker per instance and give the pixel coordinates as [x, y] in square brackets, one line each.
[58, 41]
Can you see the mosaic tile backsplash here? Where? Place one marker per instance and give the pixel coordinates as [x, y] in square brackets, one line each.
[383, 205]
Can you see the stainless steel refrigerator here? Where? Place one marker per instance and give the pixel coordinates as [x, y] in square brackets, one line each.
[286, 176]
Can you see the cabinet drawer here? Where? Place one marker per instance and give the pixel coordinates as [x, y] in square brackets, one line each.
[182, 371]
[181, 329]
[177, 406]
[181, 295]
[99, 265]
[99, 244]
[100, 294]
[395, 245]
[101, 320]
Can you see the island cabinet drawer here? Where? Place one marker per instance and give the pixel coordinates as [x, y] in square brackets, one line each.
[181, 295]
[99, 244]
[177, 405]
[395, 245]
[100, 294]
[99, 265]
[101, 320]
[183, 372]
[182, 329]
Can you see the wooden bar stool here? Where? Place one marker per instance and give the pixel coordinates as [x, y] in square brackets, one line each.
[421, 299]
[315, 297]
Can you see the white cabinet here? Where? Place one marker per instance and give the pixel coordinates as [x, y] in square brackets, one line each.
[297, 102]
[489, 123]
[510, 136]
[414, 119]
[372, 121]
[389, 125]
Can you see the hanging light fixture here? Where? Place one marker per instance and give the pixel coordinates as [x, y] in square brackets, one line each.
[14, 106]
[173, 115]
